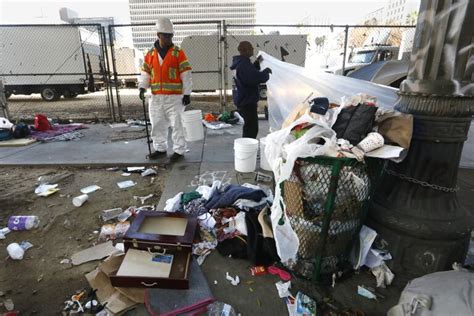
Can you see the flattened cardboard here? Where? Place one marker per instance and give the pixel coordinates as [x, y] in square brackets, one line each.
[118, 299]
[97, 252]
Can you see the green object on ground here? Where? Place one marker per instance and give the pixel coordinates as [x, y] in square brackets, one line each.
[188, 197]
[225, 117]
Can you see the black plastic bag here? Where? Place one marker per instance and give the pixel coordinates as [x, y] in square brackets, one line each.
[355, 122]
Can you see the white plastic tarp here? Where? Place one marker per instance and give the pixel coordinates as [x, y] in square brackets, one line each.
[290, 85]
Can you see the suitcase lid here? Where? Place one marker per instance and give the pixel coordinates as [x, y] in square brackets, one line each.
[162, 228]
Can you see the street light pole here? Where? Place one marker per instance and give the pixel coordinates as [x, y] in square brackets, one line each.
[416, 210]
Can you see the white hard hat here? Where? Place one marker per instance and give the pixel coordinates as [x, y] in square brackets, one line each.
[164, 25]
[5, 123]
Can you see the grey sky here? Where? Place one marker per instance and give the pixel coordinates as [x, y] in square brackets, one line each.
[268, 11]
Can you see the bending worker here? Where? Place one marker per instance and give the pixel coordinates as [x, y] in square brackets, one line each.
[247, 78]
[167, 71]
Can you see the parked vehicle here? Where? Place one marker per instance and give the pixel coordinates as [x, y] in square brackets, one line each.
[375, 49]
[390, 73]
[360, 57]
[60, 61]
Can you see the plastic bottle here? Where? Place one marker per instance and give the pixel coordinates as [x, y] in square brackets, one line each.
[23, 222]
[15, 251]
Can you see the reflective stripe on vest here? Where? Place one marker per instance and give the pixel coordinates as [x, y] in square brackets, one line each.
[167, 87]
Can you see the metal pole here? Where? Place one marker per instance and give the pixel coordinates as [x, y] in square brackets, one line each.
[3, 101]
[346, 35]
[219, 62]
[107, 75]
[224, 70]
[103, 46]
[416, 210]
[119, 105]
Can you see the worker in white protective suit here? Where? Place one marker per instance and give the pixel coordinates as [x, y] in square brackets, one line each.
[167, 71]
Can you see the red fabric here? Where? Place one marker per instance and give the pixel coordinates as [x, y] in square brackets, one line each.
[42, 123]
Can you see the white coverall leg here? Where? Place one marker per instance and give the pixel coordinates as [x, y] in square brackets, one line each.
[166, 111]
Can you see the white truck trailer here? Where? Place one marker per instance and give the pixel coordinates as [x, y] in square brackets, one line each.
[50, 60]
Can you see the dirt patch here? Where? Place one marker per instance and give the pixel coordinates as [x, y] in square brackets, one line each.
[39, 284]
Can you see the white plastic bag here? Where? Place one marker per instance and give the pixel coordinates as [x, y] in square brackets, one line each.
[290, 85]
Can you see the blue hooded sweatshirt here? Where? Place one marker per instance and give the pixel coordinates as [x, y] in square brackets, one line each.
[246, 81]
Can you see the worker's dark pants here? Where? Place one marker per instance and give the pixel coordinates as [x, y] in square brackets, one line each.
[249, 113]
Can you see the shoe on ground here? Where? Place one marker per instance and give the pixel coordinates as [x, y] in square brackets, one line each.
[157, 154]
[175, 157]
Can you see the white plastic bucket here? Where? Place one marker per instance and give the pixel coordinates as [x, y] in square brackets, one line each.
[192, 125]
[245, 154]
[263, 159]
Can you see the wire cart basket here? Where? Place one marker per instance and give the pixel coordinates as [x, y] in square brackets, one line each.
[326, 202]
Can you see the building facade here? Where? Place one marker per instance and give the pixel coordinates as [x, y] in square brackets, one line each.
[144, 12]
[401, 12]
[395, 12]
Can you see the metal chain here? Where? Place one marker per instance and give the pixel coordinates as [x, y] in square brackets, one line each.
[422, 183]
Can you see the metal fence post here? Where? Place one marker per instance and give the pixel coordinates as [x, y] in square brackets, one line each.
[103, 46]
[3, 102]
[224, 68]
[219, 57]
[119, 105]
[346, 35]
[107, 76]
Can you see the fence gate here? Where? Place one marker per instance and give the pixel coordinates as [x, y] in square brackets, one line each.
[57, 70]
[128, 43]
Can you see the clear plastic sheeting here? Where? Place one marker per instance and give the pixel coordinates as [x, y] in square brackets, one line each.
[290, 85]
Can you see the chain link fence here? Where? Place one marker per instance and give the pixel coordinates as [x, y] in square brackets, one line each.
[337, 49]
[200, 41]
[57, 70]
[88, 72]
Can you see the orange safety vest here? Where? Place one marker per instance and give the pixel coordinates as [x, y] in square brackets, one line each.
[165, 78]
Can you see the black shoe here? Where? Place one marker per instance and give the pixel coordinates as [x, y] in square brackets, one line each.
[157, 154]
[175, 157]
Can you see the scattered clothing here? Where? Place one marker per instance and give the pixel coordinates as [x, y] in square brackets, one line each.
[58, 130]
[195, 207]
[235, 247]
[231, 194]
[174, 204]
[188, 197]
[222, 217]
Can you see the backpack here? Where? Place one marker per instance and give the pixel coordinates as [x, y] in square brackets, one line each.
[5, 134]
[21, 130]
[41, 123]
[5, 129]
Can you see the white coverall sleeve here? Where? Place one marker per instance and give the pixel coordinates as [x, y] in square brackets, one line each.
[187, 79]
[144, 80]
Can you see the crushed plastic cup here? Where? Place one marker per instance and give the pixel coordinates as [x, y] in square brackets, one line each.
[371, 142]
[15, 251]
[90, 189]
[79, 200]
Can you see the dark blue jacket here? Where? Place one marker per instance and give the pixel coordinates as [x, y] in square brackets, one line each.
[246, 81]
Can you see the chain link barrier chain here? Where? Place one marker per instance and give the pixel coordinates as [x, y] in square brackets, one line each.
[422, 183]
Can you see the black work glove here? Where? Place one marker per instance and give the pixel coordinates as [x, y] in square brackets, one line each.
[142, 94]
[257, 61]
[267, 70]
[186, 99]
